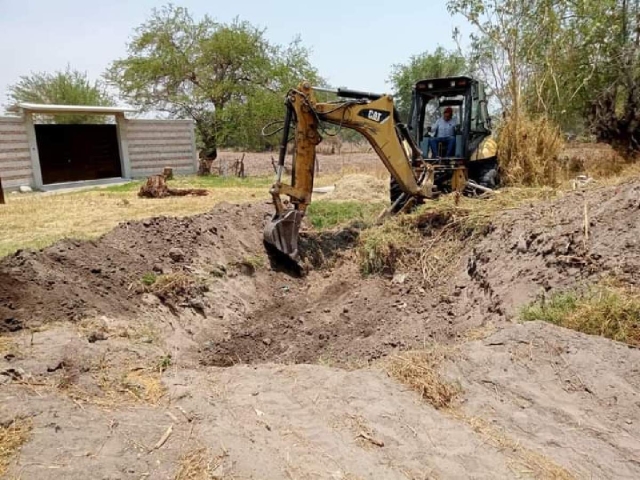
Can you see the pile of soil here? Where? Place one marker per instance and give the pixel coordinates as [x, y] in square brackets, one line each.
[361, 188]
[75, 279]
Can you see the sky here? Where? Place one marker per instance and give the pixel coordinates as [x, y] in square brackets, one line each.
[353, 43]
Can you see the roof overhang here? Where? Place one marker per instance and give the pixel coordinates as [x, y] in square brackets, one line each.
[67, 109]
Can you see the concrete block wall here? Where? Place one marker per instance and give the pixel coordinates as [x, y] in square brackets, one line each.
[15, 156]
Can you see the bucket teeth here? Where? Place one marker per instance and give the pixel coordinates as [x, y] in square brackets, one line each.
[281, 233]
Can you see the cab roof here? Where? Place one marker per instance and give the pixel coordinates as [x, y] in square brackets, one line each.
[444, 84]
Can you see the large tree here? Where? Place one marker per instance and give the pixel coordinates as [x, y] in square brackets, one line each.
[227, 77]
[575, 61]
[66, 87]
[439, 63]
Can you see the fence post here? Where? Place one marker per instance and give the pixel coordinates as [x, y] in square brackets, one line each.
[1, 193]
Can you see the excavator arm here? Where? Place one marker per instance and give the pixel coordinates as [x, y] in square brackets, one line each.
[374, 116]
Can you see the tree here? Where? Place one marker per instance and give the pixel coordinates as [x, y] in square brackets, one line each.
[67, 87]
[226, 77]
[440, 63]
[576, 62]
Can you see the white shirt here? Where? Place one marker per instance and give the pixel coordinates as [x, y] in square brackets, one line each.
[442, 128]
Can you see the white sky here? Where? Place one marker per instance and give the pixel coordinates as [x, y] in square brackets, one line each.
[353, 43]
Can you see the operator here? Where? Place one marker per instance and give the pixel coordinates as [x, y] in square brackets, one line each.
[444, 131]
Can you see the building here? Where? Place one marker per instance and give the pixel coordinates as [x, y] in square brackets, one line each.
[47, 156]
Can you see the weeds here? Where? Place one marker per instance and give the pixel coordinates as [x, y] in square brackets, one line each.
[149, 279]
[418, 370]
[12, 437]
[608, 310]
[195, 465]
[325, 214]
[529, 151]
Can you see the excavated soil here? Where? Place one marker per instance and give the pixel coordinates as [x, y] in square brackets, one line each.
[536, 401]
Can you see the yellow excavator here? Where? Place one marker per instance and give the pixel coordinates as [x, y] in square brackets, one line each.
[416, 175]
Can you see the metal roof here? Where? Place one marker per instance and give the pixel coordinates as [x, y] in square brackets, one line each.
[47, 108]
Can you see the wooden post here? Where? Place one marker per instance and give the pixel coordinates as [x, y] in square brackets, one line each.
[2, 202]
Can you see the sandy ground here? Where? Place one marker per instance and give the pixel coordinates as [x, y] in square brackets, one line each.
[237, 369]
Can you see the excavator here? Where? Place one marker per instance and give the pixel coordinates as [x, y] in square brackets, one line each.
[416, 176]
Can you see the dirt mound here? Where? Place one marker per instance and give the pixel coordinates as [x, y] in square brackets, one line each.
[580, 237]
[547, 388]
[75, 279]
[361, 188]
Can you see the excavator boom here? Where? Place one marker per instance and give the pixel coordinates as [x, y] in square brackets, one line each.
[372, 115]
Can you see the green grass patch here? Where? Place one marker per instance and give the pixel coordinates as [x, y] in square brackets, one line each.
[149, 279]
[325, 214]
[607, 310]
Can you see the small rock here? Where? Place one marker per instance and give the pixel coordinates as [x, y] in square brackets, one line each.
[345, 310]
[158, 268]
[96, 270]
[11, 324]
[176, 254]
[96, 337]
[326, 310]
[522, 245]
[150, 299]
[146, 223]
[146, 340]
[322, 336]
[217, 272]
[25, 189]
[197, 304]
[399, 278]
[266, 341]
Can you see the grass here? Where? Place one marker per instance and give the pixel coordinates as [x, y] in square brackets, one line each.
[195, 465]
[12, 437]
[325, 214]
[530, 151]
[434, 235]
[525, 463]
[38, 220]
[607, 309]
[418, 370]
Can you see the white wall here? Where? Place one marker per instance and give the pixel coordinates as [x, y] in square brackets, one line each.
[15, 158]
[155, 144]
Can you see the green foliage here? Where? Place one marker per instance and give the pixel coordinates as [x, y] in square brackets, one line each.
[67, 87]
[227, 77]
[149, 279]
[574, 62]
[165, 362]
[327, 214]
[439, 63]
[606, 310]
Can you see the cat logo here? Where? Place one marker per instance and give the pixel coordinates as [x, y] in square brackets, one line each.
[378, 116]
[375, 115]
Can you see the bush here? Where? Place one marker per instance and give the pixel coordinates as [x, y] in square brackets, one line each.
[529, 151]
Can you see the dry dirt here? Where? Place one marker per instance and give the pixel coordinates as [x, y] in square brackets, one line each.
[248, 371]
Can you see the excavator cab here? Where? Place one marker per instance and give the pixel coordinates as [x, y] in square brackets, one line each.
[474, 151]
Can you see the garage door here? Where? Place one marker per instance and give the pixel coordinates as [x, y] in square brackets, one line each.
[71, 153]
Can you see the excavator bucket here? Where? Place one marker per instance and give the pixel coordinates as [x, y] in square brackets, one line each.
[281, 233]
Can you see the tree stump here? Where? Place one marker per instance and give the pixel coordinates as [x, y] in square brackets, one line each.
[167, 172]
[156, 187]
